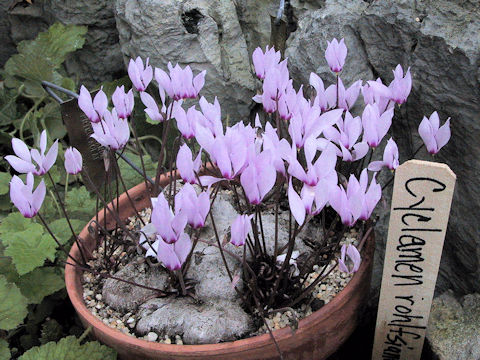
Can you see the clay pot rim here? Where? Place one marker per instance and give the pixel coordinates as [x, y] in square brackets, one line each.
[72, 278]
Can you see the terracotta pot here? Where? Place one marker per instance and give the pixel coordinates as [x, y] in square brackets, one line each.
[318, 336]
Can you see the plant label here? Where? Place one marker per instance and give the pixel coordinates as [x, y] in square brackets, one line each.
[422, 195]
[79, 130]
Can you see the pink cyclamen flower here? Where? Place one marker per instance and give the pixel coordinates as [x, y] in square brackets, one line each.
[347, 204]
[213, 116]
[123, 102]
[356, 203]
[93, 109]
[151, 107]
[401, 85]
[321, 98]
[196, 208]
[433, 135]
[321, 169]
[172, 256]
[353, 257]
[390, 158]
[23, 161]
[186, 120]
[258, 178]
[276, 84]
[279, 149]
[297, 206]
[336, 54]
[229, 151]
[368, 198]
[27, 201]
[346, 97]
[375, 126]
[112, 132]
[140, 75]
[187, 167]
[265, 61]
[374, 92]
[73, 161]
[169, 226]
[240, 229]
[179, 83]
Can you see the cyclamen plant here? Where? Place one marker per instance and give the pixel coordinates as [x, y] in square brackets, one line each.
[315, 152]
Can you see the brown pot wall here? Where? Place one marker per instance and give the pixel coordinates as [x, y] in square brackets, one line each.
[318, 336]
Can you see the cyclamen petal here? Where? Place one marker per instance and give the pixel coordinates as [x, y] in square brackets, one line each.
[73, 161]
[297, 206]
[353, 257]
[186, 166]
[27, 201]
[433, 135]
[167, 256]
[140, 75]
[24, 164]
[335, 54]
[240, 229]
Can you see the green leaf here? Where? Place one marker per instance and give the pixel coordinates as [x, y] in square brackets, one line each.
[8, 106]
[41, 282]
[53, 121]
[130, 176]
[29, 249]
[39, 59]
[4, 350]
[80, 204]
[62, 231]
[4, 181]
[69, 348]
[7, 268]
[5, 203]
[15, 222]
[13, 305]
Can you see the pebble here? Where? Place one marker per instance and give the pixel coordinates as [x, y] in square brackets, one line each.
[130, 320]
[151, 336]
[98, 297]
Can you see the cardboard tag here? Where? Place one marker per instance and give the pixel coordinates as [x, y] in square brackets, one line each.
[79, 130]
[422, 195]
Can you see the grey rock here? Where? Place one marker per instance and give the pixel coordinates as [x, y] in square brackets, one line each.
[199, 324]
[435, 38]
[125, 297]
[306, 47]
[255, 18]
[8, 48]
[210, 274]
[454, 327]
[100, 58]
[205, 35]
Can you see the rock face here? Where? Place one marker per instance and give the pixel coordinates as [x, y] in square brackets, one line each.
[436, 39]
[454, 327]
[203, 34]
[306, 48]
[100, 58]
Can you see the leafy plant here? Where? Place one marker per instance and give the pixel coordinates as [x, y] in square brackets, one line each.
[70, 348]
[31, 281]
[25, 107]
